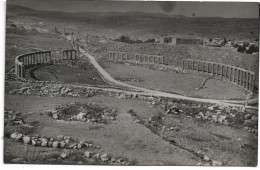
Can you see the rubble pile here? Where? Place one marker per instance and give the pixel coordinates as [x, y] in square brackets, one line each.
[12, 118]
[226, 115]
[67, 144]
[53, 90]
[86, 112]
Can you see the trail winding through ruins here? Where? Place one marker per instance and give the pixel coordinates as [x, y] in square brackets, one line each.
[145, 91]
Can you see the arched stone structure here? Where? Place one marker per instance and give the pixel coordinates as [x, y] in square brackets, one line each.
[137, 58]
[243, 78]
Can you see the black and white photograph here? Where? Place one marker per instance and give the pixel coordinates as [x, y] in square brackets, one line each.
[131, 83]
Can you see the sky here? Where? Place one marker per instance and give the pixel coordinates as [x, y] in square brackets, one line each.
[198, 9]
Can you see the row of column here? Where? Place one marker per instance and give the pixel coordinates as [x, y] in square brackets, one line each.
[69, 55]
[241, 77]
[32, 59]
[120, 56]
[138, 58]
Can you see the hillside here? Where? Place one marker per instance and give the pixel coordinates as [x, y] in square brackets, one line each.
[141, 25]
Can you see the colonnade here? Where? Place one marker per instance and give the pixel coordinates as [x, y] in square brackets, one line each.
[31, 59]
[137, 58]
[69, 55]
[40, 58]
[241, 77]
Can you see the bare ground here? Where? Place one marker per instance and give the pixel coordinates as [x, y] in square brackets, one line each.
[127, 138]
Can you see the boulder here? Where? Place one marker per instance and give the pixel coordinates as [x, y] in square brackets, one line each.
[81, 116]
[104, 157]
[97, 155]
[87, 154]
[221, 118]
[19, 137]
[206, 158]
[79, 146]
[64, 154]
[44, 144]
[66, 138]
[26, 140]
[14, 135]
[55, 116]
[62, 144]
[216, 163]
[34, 142]
[55, 144]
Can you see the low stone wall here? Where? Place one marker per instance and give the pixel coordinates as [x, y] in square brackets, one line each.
[137, 58]
[39, 58]
[243, 78]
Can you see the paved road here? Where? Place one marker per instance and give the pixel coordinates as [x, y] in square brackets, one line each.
[145, 91]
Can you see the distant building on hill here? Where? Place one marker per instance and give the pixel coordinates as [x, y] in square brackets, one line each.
[174, 41]
[191, 41]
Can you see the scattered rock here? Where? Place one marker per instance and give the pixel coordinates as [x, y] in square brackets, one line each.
[64, 154]
[81, 116]
[206, 158]
[87, 154]
[55, 116]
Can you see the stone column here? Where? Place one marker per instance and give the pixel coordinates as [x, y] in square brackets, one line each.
[221, 71]
[154, 59]
[49, 53]
[243, 79]
[18, 71]
[22, 68]
[227, 70]
[250, 81]
[183, 64]
[238, 72]
[230, 74]
[234, 73]
[192, 65]
[253, 83]
[198, 66]
[213, 69]
[247, 79]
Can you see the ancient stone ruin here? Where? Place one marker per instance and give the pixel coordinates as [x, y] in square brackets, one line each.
[39, 58]
[137, 58]
[243, 78]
